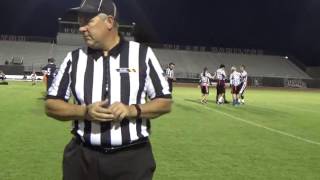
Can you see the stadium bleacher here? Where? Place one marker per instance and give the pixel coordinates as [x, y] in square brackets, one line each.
[188, 63]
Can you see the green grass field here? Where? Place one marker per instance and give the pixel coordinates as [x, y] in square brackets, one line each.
[276, 135]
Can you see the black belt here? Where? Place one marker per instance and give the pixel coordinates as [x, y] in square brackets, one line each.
[113, 149]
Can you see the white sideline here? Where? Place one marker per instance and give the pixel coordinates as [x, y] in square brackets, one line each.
[264, 127]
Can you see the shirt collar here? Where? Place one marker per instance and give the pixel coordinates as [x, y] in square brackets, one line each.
[114, 52]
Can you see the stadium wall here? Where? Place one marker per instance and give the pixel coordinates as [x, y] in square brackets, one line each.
[314, 72]
[283, 82]
[12, 69]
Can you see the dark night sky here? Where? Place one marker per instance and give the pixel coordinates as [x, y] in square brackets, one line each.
[283, 25]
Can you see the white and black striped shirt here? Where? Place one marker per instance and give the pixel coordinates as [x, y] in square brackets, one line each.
[130, 74]
[169, 73]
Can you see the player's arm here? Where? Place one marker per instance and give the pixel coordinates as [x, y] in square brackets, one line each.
[210, 76]
[214, 75]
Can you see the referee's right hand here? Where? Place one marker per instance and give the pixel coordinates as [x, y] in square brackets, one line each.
[98, 112]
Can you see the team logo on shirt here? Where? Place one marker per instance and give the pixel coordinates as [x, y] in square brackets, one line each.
[126, 70]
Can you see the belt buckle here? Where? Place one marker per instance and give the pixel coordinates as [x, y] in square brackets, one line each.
[106, 150]
[110, 150]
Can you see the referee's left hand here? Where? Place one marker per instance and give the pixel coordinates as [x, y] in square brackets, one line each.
[121, 111]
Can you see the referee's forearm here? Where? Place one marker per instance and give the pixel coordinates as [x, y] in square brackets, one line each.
[155, 108]
[64, 111]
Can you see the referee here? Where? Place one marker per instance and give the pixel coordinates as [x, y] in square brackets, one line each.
[170, 75]
[110, 81]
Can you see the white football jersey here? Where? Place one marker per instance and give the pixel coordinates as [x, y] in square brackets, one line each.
[221, 74]
[235, 78]
[205, 79]
[33, 76]
[244, 76]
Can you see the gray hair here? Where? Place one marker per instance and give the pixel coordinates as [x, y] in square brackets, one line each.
[104, 16]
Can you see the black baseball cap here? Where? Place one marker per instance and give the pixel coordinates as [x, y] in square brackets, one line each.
[94, 7]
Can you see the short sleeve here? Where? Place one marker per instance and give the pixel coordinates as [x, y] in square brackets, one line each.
[156, 84]
[60, 87]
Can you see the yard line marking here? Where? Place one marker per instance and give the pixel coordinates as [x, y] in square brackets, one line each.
[263, 127]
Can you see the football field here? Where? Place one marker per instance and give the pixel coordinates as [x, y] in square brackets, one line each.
[274, 136]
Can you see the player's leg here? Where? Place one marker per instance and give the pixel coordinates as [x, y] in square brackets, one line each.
[242, 97]
[203, 94]
[202, 98]
[238, 88]
[207, 93]
[225, 99]
[241, 92]
[233, 95]
[233, 99]
[206, 98]
[217, 94]
[49, 82]
[170, 84]
[238, 99]
[221, 99]
[222, 91]
[45, 81]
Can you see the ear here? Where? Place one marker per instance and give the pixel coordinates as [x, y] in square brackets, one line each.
[109, 22]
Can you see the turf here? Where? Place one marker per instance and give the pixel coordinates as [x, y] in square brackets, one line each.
[274, 136]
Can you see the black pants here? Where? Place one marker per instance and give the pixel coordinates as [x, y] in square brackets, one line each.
[49, 82]
[170, 84]
[132, 163]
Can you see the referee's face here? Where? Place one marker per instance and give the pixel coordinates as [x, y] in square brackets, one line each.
[94, 31]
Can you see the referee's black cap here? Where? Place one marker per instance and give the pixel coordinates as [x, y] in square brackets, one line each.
[94, 7]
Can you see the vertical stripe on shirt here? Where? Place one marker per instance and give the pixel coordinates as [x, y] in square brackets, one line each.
[88, 84]
[79, 84]
[115, 90]
[95, 137]
[106, 126]
[125, 91]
